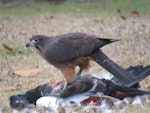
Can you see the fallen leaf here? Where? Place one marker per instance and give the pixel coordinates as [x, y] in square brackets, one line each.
[123, 17]
[31, 82]
[135, 13]
[7, 47]
[27, 73]
[9, 88]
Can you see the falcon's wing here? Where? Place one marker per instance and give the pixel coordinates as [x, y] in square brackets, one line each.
[70, 46]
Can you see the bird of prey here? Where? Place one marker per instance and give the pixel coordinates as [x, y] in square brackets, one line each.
[67, 51]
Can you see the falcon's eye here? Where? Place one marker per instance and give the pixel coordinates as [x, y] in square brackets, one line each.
[35, 41]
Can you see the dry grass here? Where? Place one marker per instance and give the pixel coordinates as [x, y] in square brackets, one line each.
[133, 48]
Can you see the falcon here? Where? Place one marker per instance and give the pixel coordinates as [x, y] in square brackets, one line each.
[67, 51]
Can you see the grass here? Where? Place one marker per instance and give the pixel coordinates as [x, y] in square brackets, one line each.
[102, 7]
[17, 25]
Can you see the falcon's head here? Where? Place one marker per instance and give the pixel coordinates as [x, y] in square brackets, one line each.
[34, 41]
[38, 41]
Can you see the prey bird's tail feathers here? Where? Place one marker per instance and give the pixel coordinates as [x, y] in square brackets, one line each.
[131, 91]
[120, 91]
[123, 91]
[134, 69]
[140, 72]
[124, 76]
[143, 73]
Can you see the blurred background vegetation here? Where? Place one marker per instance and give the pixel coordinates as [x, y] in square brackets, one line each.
[79, 7]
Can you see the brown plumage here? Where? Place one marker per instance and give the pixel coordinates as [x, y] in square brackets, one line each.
[67, 51]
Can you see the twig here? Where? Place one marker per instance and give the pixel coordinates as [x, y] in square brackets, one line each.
[8, 64]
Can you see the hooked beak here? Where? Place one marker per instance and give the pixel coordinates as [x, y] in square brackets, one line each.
[30, 44]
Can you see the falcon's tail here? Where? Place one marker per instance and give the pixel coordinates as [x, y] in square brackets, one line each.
[127, 79]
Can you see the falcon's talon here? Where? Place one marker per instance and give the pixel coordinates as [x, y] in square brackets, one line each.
[57, 91]
[65, 85]
[78, 75]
